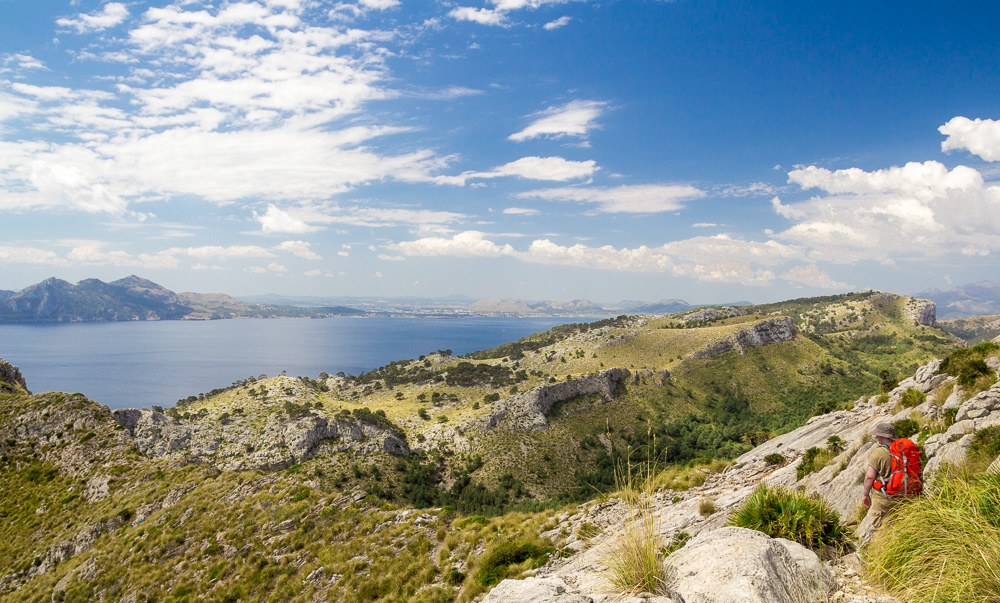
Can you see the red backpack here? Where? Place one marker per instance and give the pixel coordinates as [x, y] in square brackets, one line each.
[905, 474]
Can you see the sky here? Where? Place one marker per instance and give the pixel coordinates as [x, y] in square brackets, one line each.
[709, 151]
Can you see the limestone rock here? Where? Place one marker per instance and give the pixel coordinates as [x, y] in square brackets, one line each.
[765, 332]
[711, 313]
[528, 410]
[534, 590]
[11, 380]
[736, 564]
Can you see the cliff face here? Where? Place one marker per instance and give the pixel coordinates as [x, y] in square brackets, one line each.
[528, 411]
[11, 380]
[765, 332]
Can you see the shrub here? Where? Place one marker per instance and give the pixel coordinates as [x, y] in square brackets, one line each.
[782, 513]
[498, 559]
[912, 397]
[955, 561]
[706, 507]
[813, 460]
[774, 459]
[906, 427]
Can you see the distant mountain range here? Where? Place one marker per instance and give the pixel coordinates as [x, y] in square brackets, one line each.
[974, 299]
[134, 298]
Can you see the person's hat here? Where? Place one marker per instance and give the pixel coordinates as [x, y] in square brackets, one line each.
[884, 430]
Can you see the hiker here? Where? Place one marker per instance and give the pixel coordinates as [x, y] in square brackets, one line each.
[886, 485]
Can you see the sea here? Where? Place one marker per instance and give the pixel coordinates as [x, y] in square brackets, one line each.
[140, 364]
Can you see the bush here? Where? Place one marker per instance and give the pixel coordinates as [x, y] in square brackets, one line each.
[813, 460]
[774, 459]
[906, 427]
[497, 561]
[957, 560]
[782, 513]
[912, 397]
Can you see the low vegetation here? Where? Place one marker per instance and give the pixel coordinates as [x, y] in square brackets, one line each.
[782, 513]
[957, 560]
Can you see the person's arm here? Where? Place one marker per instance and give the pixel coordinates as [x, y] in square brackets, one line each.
[870, 477]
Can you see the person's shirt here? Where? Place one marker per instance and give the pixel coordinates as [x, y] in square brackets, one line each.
[881, 460]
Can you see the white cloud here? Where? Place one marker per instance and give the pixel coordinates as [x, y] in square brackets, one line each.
[275, 220]
[978, 136]
[276, 267]
[29, 255]
[712, 265]
[643, 198]
[812, 276]
[920, 209]
[299, 248]
[575, 118]
[391, 258]
[467, 244]
[521, 211]
[113, 13]
[560, 22]
[379, 4]
[243, 99]
[483, 16]
[533, 168]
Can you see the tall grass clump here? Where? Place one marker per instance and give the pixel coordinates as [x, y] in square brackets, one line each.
[945, 548]
[635, 557]
[783, 513]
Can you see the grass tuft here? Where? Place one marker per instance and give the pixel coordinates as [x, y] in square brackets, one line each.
[782, 513]
[957, 560]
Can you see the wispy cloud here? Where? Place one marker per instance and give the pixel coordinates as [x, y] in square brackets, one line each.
[560, 22]
[576, 118]
[531, 168]
[643, 198]
[113, 13]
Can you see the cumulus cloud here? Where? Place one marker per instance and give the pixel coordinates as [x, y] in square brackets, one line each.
[470, 243]
[275, 220]
[521, 211]
[643, 198]
[711, 264]
[978, 136]
[814, 277]
[576, 118]
[113, 13]
[531, 168]
[483, 16]
[29, 255]
[300, 249]
[921, 209]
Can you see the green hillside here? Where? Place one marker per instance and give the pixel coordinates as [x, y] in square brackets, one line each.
[400, 484]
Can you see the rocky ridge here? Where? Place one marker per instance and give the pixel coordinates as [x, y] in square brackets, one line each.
[11, 380]
[723, 564]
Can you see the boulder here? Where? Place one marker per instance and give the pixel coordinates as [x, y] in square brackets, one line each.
[734, 564]
[534, 590]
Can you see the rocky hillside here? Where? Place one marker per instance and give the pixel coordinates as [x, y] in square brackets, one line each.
[411, 482]
[753, 566]
[132, 298]
[973, 299]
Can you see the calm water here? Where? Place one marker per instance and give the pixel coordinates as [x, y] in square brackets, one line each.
[138, 364]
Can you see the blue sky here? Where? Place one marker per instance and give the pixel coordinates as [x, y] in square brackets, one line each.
[539, 149]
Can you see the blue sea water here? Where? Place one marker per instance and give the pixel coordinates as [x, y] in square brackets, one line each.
[139, 364]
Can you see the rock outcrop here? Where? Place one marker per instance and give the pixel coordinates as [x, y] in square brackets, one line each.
[11, 380]
[240, 443]
[711, 314]
[921, 312]
[765, 332]
[528, 410]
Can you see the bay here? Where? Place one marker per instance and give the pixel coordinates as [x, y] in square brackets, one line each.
[139, 364]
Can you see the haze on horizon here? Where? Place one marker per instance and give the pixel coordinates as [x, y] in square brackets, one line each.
[537, 149]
